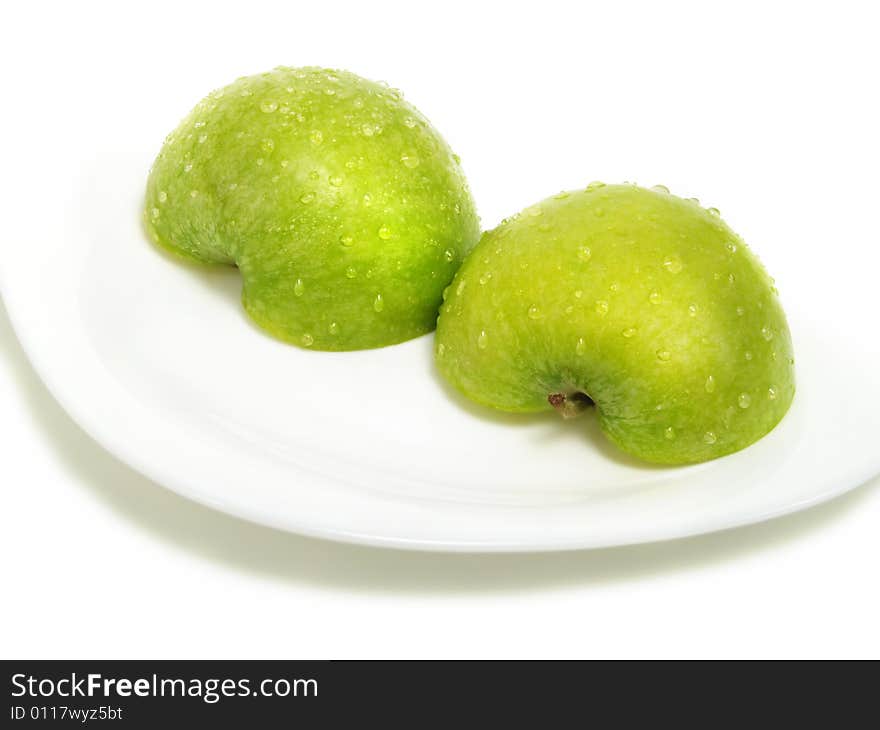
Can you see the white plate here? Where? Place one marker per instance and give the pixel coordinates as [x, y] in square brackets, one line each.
[156, 360]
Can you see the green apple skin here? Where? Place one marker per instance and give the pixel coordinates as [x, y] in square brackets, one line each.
[645, 302]
[344, 209]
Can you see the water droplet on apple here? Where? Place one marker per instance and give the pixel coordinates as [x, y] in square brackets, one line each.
[581, 346]
[744, 400]
[584, 253]
[693, 309]
[664, 355]
[709, 437]
[713, 211]
[163, 196]
[267, 106]
[409, 122]
[448, 254]
[306, 198]
[203, 138]
[669, 433]
[308, 340]
[655, 297]
[578, 293]
[602, 307]
[731, 247]
[535, 211]
[333, 329]
[710, 384]
[384, 233]
[672, 264]
[410, 160]
[561, 195]
[748, 355]
[316, 136]
[482, 340]
[534, 312]
[441, 350]
[771, 393]
[629, 332]
[335, 180]
[731, 278]
[346, 240]
[595, 185]
[379, 303]
[660, 188]
[350, 272]
[740, 311]
[188, 166]
[767, 333]
[299, 287]
[193, 193]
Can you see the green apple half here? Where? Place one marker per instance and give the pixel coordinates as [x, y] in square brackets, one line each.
[633, 300]
[344, 209]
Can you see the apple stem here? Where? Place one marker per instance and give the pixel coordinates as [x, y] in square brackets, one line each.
[571, 405]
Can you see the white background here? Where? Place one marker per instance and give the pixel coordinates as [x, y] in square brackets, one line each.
[766, 110]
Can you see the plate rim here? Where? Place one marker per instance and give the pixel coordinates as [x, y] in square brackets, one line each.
[116, 447]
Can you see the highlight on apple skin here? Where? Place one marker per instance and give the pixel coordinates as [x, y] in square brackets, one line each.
[632, 300]
[344, 209]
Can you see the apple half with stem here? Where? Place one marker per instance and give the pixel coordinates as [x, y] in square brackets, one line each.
[633, 302]
[345, 211]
